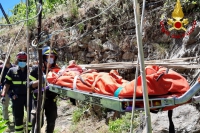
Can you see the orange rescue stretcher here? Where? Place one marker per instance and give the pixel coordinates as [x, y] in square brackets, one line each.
[166, 88]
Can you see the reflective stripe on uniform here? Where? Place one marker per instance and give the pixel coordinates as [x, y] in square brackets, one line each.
[19, 82]
[32, 78]
[29, 126]
[18, 127]
[19, 131]
[9, 78]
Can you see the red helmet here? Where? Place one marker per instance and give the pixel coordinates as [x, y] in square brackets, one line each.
[21, 56]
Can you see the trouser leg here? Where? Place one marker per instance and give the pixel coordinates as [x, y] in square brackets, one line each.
[33, 116]
[5, 107]
[51, 114]
[29, 112]
[18, 108]
[13, 113]
[33, 121]
[73, 101]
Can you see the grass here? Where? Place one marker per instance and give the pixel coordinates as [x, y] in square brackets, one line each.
[56, 130]
[3, 125]
[123, 124]
[76, 116]
[160, 49]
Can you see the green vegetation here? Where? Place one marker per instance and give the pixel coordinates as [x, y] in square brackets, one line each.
[123, 124]
[77, 114]
[119, 125]
[3, 125]
[73, 9]
[19, 10]
[81, 27]
[161, 49]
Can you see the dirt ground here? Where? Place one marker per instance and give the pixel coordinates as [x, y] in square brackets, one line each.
[64, 122]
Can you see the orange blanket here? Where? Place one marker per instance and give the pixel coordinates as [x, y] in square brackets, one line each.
[158, 82]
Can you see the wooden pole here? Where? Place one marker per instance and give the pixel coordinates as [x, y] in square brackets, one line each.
[39, 97]
[4, 14]
[28, 57]
[142, 70]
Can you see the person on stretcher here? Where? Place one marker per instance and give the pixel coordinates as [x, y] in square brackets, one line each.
[74, 67]
[160, 82]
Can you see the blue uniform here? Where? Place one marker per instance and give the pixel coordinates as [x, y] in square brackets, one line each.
[17, 78]
[50, 105]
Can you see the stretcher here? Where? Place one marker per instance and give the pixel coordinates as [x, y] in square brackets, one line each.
[125, 105]
[166, 89]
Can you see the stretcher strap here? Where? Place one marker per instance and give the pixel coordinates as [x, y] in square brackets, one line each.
[94, 83]
[74, 82]
[84, 81]
[116, 93]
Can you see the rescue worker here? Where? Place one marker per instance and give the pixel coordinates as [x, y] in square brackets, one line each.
[50, 106]
[8, 65]
[17, 77]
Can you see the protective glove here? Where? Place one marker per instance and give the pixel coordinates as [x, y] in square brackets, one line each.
[43, 78]
[3, 100]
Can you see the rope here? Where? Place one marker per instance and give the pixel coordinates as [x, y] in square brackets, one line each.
[5, 60]
[55, 32]
[40, 9]
[9, 51]
[50, 36]
[134, 95]
[84, 34]
[44, 86]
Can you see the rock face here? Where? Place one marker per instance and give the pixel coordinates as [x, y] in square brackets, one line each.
[185, 119]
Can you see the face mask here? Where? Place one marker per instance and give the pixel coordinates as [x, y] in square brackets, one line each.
[51, 60]
[22, 64]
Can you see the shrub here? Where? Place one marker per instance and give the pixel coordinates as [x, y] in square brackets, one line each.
[76, 116]
[123, 124]
[3, 126]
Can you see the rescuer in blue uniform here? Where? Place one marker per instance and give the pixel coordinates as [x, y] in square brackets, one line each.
[17, 77]
[50, 106]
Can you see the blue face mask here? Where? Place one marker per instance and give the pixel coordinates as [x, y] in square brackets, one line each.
[51, 60]
[21, 64]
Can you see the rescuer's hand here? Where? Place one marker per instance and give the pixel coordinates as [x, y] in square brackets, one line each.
[3, 99]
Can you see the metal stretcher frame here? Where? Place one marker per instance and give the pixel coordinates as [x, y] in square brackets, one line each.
[125, 105]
